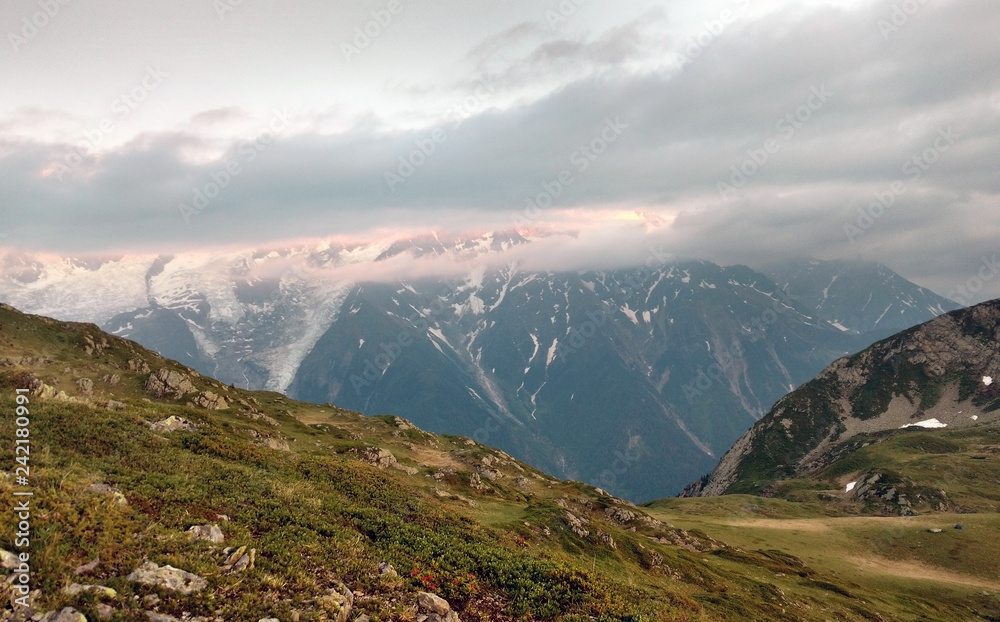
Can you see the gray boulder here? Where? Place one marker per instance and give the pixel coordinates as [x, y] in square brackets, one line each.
[620, 515]
[435, 608]
[87, 568]
[67, 614]
[8, 560]
[278, 444]
[212, 533]
[172, 424]
[169, 578]
[86, 386]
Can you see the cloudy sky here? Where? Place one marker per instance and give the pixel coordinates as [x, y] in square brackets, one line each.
[739, 131]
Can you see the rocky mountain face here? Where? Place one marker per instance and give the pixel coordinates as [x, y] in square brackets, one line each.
[624, 380]
[941, 374]
[858, 296]
[633, 380]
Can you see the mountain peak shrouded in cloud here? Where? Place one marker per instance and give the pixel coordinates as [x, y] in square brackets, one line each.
[662, 363]
[28, 278]
[832, 128]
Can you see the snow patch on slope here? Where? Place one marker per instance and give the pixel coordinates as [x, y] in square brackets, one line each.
[551, 356]
[927, 423]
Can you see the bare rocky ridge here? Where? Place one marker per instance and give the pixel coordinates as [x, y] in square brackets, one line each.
[941, 370]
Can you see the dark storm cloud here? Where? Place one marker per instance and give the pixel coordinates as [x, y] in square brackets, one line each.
[848, 108]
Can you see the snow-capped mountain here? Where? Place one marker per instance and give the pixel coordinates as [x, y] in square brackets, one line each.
[633, 380]
[835, 289]
[626, 379]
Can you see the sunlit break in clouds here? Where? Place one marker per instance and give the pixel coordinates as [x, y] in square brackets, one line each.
[737, 131]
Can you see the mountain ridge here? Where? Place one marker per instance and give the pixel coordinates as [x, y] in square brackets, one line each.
[940, 373]
[608, 376]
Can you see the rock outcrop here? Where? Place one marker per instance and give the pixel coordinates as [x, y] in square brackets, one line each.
[576, 524]
[382, 458]
[166, 383]
[86, 386]
[278, 444]
[339, 601]
[211, 401]
[138, 365]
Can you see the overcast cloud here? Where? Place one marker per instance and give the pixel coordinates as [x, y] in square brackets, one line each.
[744, 131]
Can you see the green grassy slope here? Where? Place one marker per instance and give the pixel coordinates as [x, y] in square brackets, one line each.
[305, 487]
[878, 536]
